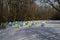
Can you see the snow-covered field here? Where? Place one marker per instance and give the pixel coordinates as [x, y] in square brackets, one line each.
[49, 32]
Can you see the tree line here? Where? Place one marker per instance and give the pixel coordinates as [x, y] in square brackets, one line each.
[23, 10]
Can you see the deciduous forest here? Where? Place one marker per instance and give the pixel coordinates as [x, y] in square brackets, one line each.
[23, 10]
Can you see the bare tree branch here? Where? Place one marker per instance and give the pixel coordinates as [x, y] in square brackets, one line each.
[53, 6]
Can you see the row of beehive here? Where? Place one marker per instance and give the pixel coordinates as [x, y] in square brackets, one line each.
[23, 24]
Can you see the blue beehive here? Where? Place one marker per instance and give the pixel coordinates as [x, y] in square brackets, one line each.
[21, 24]
[42, 24]
[27, 23]
[32, 23]
[10, 24]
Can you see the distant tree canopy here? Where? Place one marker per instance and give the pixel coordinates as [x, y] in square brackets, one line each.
[21, 10]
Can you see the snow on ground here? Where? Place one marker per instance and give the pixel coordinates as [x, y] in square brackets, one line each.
[50, 31]
[35, 33]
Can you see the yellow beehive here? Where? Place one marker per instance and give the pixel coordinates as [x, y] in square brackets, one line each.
[29, 23]
[24, 23]
[16, 26]
[45, 22]
[35, 22]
